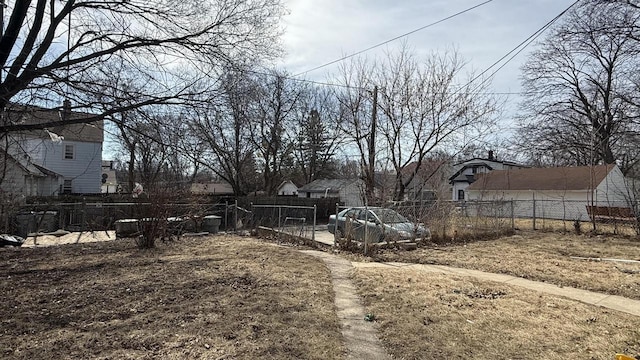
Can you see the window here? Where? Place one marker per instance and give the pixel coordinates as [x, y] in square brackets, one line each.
[460, 195]
[67, 187]
[68, 152]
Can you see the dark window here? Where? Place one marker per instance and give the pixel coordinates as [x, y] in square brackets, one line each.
[460, 195]
[68, 152]
[67, 187]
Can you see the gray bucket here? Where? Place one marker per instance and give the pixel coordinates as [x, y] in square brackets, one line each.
[211, 223]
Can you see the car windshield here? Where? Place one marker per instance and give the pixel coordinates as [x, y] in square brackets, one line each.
[389, 216]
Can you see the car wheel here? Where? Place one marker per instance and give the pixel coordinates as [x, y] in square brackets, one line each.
[339, 234]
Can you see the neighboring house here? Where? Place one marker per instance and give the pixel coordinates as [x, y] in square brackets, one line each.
[567, 193]
[288, 188]
[109, 180]
[72, 153]
[20, 179]
[349, 191]
[212, 188]
[466, 172]
[428, 180]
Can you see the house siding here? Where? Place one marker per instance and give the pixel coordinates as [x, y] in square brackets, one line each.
[15, 179]
[85, 169]
[288, 189]
[556, 204]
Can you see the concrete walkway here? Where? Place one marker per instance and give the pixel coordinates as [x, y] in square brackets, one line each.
[360, 336]
[613, 302]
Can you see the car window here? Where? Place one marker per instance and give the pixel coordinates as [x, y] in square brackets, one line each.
[366, 215]
[389, 216]
[350, 213]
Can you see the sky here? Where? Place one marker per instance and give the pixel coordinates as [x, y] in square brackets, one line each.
[319, 32]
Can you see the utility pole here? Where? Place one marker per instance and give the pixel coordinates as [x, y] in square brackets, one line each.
[372, 145]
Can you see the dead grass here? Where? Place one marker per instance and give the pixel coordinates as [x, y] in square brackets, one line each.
[542, 257]
[204, 298]
[433, 316]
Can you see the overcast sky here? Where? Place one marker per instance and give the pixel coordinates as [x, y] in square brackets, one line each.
[317, 32]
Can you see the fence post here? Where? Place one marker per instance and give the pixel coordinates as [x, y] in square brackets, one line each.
[366, 228]
[335, 229]
[313, 231]
[226, 218]
[83, 222]
[513, 217]
[534, 211]
[279, 217]
[253, 218]
[235, 217]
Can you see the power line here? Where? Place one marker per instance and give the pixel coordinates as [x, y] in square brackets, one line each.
[393, 39]
[519, 48]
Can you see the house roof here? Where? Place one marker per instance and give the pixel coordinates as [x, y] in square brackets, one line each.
[211, 188]
[326, 185]
[557, 178]
[485, 160]
[28, 114]
[287, 182]
[477, 162]
[27, 165]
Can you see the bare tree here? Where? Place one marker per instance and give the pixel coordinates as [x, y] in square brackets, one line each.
[422, 107]
[51, 50]
[357, 116]
[581, 85]
[224, 129]
[424, 110]
[273, 117]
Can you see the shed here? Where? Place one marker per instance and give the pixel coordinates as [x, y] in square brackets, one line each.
[568, 193]
[349, 191]
[287, 188]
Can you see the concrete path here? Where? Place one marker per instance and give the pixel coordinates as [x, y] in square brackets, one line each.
[613, 302]
[360, 336]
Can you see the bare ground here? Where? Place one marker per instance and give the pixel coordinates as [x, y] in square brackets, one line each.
[204, 298]
[434, 316]
[543, 257]
[237, 298]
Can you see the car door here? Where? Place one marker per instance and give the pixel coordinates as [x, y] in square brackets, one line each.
[367, 224]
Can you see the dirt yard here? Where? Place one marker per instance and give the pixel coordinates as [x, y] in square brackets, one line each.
[228, 297]
[203, 298]
[548, 257]
[434, 316]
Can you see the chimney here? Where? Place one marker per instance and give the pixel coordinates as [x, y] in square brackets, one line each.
[66, 105]
[66, 109]
[491, 155]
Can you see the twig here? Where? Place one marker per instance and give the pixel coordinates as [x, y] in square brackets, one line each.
[606, 259]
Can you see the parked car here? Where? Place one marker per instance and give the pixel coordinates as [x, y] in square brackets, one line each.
[381, 224]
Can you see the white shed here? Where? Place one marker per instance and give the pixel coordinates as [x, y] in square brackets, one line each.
[288, 188]
[569, 193]
[350, 191]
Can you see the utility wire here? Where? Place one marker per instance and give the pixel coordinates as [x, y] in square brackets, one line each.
[513, 52]
[518, 49]
[393, 39]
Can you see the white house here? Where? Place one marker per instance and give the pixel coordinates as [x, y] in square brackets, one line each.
[349, 191]
[287, 188]
[72, 153]
[466, 172]
[568, 193]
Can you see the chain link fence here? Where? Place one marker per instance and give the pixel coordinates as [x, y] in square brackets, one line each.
[445, 220]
